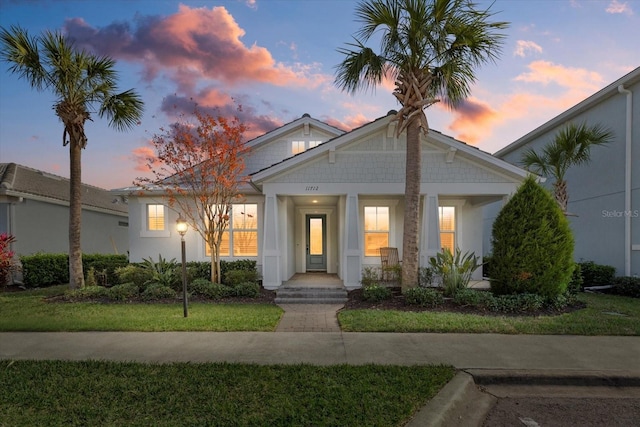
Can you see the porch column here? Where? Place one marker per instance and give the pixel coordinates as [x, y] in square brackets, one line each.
[271, 278]
[352, 258]
[430, 239]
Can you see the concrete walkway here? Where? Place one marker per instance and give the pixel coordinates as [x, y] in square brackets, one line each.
[464, 351]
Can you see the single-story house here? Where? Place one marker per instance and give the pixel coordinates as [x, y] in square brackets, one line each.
[34, 207]
[321, 199]
[604, 195]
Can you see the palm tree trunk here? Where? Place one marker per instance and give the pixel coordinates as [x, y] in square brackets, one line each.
[412, 206]
[561, 195]
[76, 275]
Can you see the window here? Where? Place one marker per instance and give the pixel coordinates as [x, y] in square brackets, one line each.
[242, 232]
[300, 146]
[376, 229]
[447, 215]
[156, 218]
[297, 147]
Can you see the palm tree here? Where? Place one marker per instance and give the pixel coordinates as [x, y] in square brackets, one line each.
[431, 48]
[571, 146]
[83, 84]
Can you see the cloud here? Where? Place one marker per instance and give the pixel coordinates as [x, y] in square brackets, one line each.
[347, 123]
[473, 120]
[545, 73]
[192, 44]
[616, 7]
[142, 156]
[525, 46]
[252, 4]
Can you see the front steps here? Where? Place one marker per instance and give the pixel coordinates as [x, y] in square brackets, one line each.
[310, 295]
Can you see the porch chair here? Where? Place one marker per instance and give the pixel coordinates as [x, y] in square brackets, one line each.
[389, 262]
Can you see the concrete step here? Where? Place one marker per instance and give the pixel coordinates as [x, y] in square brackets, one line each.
[311, 296]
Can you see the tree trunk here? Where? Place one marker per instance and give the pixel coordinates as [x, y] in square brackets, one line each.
[76, 275]
[410, 249]
[561, 195]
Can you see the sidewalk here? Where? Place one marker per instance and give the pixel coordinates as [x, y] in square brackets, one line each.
[464, 351]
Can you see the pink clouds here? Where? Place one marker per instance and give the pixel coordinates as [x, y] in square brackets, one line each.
[473, 120]
[616, 7]
[523, 47]
[545, 72]
[192, 44]
[141, 157]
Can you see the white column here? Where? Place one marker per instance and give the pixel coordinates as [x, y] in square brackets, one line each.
[352, 258]
[430, 238]
[271, 276]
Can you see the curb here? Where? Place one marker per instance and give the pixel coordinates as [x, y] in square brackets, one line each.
[459, 403]
[487, 377]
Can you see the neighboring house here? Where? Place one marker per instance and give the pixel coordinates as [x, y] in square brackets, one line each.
[604, 195]
[34, 207]
[321, 199]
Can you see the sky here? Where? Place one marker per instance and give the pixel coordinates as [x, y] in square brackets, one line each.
[277, 59]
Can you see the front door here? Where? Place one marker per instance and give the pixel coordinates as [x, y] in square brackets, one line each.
[316, 242]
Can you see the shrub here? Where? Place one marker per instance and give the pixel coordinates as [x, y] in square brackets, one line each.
[425, 277]
[163, 271]
[486, 265]
[423, 297]
[474, 298]
[134, 273]
[370, 276]
[235, 277]
[241, 264]
[376, 293]
[105, 266]
[596, 274]
[455, 269]
[45, 269]
[156, 291]
[516, 303]
[198, 270]
[7, 263]
[123, 292]
[627, 286]
[575, 284]
[532, 245]
[246, 289]
[205, 288]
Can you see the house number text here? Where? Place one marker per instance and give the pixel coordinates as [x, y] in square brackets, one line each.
[311, 188]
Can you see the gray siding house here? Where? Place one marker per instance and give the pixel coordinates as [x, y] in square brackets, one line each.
[34, 207]
[604, 196]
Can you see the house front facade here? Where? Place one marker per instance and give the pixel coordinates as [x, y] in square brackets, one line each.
[604, 195]
[321, 199]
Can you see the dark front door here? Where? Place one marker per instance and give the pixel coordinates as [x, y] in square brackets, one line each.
[316, 242]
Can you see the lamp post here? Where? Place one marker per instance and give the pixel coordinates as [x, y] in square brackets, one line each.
[182, 227]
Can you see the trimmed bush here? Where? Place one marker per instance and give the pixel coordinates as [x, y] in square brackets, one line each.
[104, 264]
[532, 245]
[575, 284]
[516, 303]
[246, 289]
[133, 273]
[156, 291]
[596, 274]
[474, 298]
[627, 286]
[45, 269]
[376, 293]
[123, 292]
[235, 277]
[423, 297]
[205, 288]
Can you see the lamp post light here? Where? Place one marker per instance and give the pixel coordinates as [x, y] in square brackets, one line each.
[182, 227]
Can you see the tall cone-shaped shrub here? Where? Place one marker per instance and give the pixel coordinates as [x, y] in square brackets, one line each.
[532, 245]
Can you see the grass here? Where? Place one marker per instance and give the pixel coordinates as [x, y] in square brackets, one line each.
[604, 315]
[117, 394]
[29, 311]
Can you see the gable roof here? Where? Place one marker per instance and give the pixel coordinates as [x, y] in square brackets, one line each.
[611, 90]
[305, 120]
[434, 137]
[22, 181]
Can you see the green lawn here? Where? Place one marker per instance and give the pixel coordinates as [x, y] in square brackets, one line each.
[118, 394]
[29, 311]
[604, 315]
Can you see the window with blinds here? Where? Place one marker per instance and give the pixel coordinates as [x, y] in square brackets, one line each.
[447, 217]
[376, 229]
[156, 218]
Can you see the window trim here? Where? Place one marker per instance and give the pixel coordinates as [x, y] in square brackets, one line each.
[231, 229]
[145, 232]
[455, 231]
